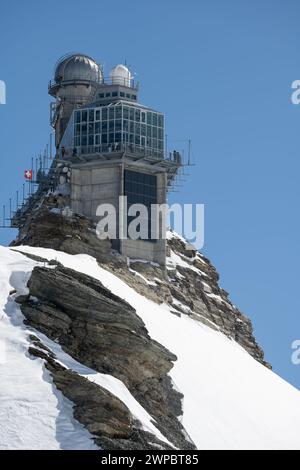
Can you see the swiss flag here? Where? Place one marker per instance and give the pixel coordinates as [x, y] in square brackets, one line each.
[28, 174]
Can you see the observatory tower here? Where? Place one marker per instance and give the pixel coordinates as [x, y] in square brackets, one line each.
[113, 144]
[75, 82]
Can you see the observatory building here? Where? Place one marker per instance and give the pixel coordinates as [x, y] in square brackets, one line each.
[114, 145]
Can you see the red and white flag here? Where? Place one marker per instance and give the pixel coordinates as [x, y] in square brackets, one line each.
[28, 174]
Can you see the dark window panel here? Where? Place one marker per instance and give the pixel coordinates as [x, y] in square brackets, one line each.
[91, 115]
[104, 114]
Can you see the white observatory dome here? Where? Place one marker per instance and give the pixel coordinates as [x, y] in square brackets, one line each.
[78, 67]
[120, 75]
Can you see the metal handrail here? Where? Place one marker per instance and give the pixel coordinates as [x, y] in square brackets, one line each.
[119, 147]
[105, 81]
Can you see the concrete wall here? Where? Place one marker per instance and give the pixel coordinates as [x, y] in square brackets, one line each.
[97, 183]
[94, 185]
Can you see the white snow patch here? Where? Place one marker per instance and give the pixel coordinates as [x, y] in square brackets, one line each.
[218, 299]
[136, 273]
[207, 287]
[181, 305]
[175, 260]
[33, 413]
[230, 400]
[30, 405]
[110, 383]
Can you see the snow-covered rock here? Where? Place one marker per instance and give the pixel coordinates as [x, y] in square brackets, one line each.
[230, 400]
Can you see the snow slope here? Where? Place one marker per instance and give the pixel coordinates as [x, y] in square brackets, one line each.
[33, 413]
[230, 400]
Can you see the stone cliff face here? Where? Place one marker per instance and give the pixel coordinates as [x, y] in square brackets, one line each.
[103, 332]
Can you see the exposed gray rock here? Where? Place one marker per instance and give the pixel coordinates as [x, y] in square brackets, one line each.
[105, 416]
[72, 234]
[194, 290]
[104, 332]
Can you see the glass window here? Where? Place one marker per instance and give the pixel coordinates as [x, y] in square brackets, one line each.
[114, 93]
[125, 112]
[122, 94]
[127, 95]
[101, 95]
[125, 125]
[107, 95]
[104, 114]
[118, 112]
[83, 140]
[137, 115]
[120, 123]
[133, 97]
[111, 113]
[140, 188]
[77, 116]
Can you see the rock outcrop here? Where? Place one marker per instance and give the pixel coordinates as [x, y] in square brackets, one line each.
[51, 224]
[191, 287]
[103, 332]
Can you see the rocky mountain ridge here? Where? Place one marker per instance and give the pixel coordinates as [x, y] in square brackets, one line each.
[190, 284]
[102, 331]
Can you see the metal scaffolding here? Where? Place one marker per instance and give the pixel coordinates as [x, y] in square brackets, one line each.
[39, 167]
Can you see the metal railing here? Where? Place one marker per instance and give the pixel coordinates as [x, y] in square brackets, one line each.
[119, 147]
[121, 81]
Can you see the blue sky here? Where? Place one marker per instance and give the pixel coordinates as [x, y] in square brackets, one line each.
[221, 71]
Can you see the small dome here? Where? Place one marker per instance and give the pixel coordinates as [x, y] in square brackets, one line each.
[120, 75]
[78, 67]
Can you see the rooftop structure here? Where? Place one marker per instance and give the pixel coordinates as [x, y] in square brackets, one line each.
[110, 146]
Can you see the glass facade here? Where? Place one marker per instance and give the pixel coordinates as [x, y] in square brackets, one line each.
[141, 188]
[108, 128]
